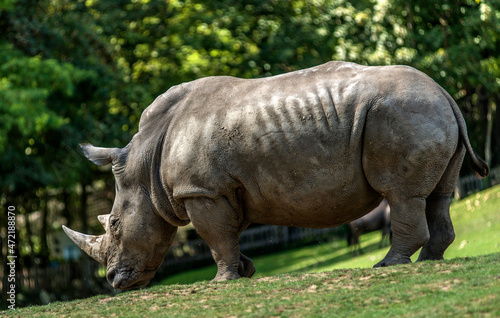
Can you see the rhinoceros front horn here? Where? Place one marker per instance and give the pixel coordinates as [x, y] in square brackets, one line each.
[90, 244]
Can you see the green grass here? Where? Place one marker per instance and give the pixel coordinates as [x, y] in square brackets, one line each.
[459, 287]
[326, 281]
[477, 227]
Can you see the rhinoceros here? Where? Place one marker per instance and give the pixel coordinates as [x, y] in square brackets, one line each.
[376, 219]
[313, 148]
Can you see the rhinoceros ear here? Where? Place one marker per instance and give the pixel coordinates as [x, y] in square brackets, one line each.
[100, 156]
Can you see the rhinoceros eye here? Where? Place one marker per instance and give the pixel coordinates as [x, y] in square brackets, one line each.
[113, 224]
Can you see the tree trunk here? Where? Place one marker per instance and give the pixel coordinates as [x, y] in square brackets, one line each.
[496, 133]
[85, 262]
[29, 239]
[83, 207]
[44, 248]
[66, 196]
[489, 131]
[30, 260]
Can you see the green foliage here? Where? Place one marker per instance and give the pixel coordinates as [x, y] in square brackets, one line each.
[7, 4]
[56, 78]
[28, 117]
[456, 40]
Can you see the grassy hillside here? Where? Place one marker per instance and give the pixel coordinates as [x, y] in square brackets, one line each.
[453, 288]
[477, 227]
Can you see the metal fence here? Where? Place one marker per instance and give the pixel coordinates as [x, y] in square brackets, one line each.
[470, 184]
[36, 285]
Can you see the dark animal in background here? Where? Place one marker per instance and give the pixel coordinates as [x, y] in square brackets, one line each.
[378, 219]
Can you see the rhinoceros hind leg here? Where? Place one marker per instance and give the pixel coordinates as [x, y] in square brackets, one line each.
[440, 228]
[217, 223]
[410, 232]
[438, 210]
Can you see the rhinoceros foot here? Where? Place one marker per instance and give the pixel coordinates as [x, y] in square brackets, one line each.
[225, 276]
[389, 261]
[246, 267]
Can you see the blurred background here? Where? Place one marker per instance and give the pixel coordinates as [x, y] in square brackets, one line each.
[75, 71]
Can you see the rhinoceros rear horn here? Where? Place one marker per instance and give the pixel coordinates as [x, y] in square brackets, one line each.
[90, 244]
[100, 156]
[104, 220]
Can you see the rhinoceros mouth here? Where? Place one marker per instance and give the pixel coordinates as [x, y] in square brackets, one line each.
[129, 279]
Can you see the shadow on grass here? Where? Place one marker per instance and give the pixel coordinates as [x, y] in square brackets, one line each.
[304, 259]
[345, 256]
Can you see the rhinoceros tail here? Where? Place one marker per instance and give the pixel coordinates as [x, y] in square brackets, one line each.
[479, 166]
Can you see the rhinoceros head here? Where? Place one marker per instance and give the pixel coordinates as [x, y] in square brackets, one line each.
[136, 239]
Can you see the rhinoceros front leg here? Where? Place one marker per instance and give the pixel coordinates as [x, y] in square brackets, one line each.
[220, 226]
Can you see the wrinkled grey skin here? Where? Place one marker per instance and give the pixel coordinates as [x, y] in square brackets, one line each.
[376, 219]
[313, 148]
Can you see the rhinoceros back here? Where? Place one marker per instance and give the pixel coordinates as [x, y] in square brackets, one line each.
[293, 143]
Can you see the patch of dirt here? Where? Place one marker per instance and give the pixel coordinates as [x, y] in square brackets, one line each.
[312, 289]
[446, 285]
[270, 279]
[366, 278]
[148, 296]
[105, 300]
[347, 287]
